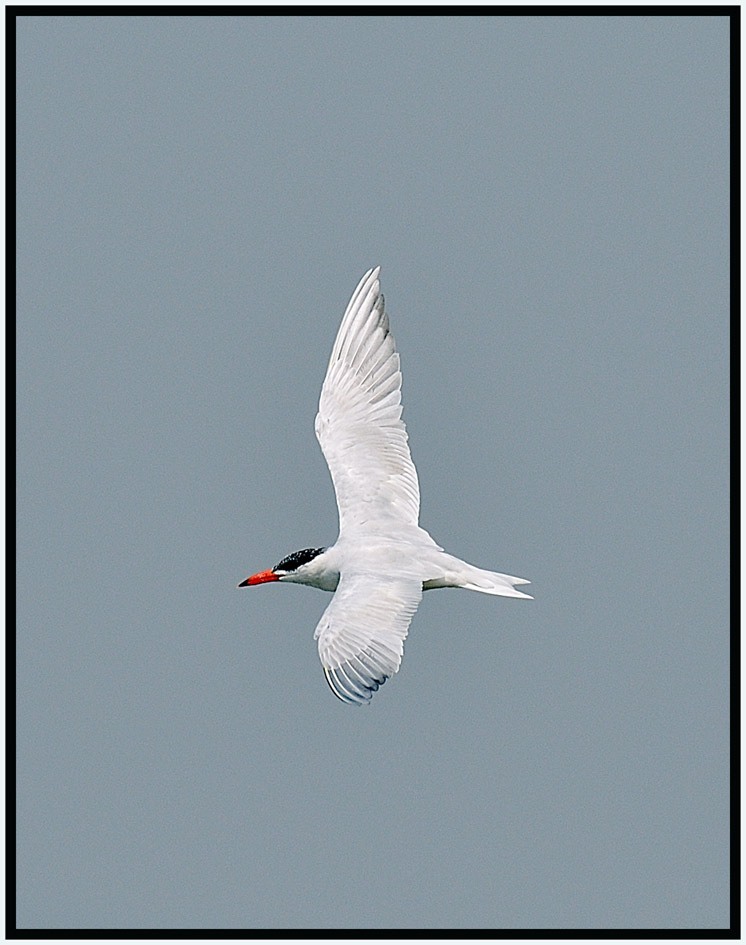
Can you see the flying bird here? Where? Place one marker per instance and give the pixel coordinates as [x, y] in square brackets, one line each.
[382, 560]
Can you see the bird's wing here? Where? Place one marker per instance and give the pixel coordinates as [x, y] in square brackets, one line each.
[361, 633]
[359, 423]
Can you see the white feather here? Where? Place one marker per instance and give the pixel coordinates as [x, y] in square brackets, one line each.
[359, 425]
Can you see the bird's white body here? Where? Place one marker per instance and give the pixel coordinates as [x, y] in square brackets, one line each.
[434, 567]
[382, 560]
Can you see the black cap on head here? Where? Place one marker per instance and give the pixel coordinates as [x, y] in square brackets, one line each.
[297, 558]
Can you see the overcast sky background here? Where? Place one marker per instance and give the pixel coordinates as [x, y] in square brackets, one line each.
[547, 198]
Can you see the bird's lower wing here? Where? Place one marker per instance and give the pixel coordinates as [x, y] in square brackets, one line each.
[361, 634]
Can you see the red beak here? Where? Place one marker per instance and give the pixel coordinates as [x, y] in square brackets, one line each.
[261, 578]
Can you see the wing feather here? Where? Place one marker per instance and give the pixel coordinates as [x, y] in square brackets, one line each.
[361, 633]
[359, 425]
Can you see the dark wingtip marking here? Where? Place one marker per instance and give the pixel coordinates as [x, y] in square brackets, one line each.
[344, 691]
[383, 319]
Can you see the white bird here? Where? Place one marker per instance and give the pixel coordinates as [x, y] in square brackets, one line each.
[382, 560]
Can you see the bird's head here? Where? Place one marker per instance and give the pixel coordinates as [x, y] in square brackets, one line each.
[296, 568]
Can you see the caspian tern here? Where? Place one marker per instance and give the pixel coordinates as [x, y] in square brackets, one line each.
[382, 560]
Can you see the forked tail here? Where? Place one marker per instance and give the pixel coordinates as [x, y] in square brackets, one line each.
[457, 573]
[492, 582]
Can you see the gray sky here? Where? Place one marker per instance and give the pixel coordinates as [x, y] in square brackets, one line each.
[547, 197]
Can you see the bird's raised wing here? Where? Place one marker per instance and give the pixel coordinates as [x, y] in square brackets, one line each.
[361, 633]
[359, 423]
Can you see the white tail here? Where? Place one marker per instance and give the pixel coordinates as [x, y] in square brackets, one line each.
[501, 584]
[457, 573]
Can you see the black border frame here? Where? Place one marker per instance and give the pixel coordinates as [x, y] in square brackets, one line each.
[734, 931]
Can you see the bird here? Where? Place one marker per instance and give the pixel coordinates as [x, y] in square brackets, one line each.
[382, 560]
